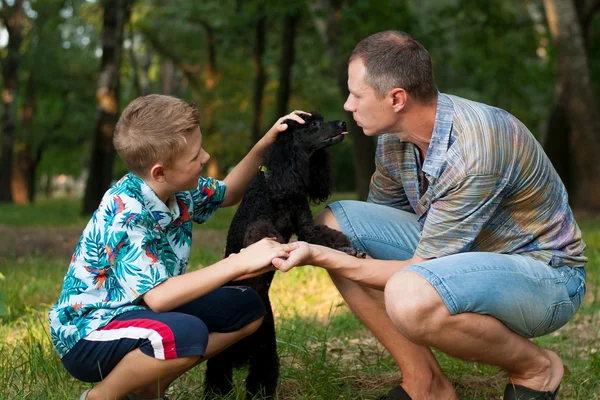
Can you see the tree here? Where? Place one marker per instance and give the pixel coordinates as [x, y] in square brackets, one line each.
[260, 75]
[13, 18]
[327, 15]
[576, 101]
[288, 37]
[116, 15]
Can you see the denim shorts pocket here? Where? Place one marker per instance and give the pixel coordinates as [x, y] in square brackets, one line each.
[560, 313]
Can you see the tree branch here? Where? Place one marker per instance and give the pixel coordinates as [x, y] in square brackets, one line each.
[189, 71]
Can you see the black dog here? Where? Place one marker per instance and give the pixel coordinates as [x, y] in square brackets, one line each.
[297, 172]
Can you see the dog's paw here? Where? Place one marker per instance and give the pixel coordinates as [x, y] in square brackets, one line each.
[353, 251]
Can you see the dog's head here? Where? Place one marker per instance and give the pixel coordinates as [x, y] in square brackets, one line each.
[314, 134]
[299, 163]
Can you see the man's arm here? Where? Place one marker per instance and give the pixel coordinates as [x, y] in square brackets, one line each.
[367, 272]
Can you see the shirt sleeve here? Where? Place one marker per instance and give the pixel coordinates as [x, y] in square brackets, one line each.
[386, 190]
[133, 252]
[207, 198]
[456, 218]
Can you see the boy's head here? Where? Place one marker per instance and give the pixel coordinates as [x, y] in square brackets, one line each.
[154, 129]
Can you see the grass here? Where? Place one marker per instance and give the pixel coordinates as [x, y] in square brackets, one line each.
[325, 351]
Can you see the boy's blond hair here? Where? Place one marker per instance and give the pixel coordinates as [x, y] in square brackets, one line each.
[153, 129]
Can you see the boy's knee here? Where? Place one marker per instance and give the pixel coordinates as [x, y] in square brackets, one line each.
[252, 304]
[247, 308]
[252, 327]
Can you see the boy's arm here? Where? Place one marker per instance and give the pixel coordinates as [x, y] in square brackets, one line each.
[179, 290]
[238, 180]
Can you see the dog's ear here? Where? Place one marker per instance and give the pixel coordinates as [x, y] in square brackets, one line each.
[321, 181]
[288, 170]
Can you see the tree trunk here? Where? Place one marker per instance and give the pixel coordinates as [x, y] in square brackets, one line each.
[116, 15]
[555, 139]
[22, 169]
[13, 19]
[167, 74]
[363, 146]
[24, 163]
[259, 74]
[580, 103]
[286, 62]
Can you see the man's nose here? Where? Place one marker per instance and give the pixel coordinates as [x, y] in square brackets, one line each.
[347, 105]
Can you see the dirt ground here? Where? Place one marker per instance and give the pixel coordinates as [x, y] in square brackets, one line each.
[17, 242]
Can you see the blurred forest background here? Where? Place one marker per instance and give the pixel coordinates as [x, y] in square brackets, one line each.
[70, 66]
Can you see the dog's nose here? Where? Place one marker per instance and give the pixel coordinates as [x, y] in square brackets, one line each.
[341, 124]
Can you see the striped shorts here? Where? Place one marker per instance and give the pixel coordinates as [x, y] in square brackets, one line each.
[182, 332]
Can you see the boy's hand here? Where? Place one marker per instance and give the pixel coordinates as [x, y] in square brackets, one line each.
[257, 258]
[279, 126]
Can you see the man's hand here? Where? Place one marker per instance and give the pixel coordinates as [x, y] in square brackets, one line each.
[300, 253]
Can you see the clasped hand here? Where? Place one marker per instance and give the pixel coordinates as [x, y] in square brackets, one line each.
[268, 255]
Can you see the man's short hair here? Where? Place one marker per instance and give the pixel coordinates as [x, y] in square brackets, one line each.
[393, 59]
[153, 129]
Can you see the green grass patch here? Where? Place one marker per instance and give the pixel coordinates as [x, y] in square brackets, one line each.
[325, 351]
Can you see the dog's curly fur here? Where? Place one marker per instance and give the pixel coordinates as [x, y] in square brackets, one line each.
[298, 172]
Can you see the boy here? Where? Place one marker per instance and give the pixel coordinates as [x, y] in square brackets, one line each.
[127, 315]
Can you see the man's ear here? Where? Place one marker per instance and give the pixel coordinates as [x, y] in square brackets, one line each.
[157, 173]
[399, 98]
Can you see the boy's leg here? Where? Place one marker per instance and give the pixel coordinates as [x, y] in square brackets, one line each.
[386, 233]
[482, 307]
[155, 377]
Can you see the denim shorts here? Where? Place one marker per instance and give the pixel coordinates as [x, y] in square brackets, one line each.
[530, 297]
[182, 332]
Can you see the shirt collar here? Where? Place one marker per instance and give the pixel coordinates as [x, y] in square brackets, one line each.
[442, 128]
[163, 213]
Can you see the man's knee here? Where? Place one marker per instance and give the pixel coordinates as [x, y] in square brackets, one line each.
[414, 306]
[327, 218]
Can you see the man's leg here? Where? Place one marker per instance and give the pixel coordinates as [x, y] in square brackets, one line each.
[149, 377]
[422, 377]
[440, 303]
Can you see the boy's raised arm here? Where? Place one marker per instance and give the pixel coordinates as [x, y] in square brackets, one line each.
[238, 180]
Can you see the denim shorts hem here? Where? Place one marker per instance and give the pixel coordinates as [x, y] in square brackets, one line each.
[438, 284]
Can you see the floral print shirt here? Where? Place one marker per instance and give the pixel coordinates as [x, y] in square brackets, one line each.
[133, 242]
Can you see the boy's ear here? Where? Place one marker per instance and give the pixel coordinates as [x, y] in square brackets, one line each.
[157, 173]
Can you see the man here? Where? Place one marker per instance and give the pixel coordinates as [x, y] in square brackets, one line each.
[474, 247]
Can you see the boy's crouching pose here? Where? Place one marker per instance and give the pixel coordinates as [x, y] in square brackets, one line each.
[128, 315]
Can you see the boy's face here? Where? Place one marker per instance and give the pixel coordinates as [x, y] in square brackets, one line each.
[187, 167]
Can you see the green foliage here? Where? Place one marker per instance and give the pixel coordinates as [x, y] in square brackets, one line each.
[3, 300]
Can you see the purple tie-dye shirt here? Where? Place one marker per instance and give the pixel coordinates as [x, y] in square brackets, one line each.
[485, 185]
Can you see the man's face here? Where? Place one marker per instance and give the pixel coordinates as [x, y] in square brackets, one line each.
[373, 114]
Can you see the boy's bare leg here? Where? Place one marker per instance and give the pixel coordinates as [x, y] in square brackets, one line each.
[153, 380]
[422, 377]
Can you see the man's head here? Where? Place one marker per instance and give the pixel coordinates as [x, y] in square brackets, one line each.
[160, 135]
[386, 70]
